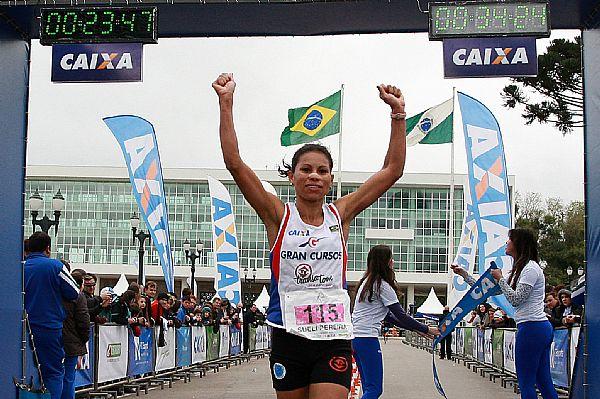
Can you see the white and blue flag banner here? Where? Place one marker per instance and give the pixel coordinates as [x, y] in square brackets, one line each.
[138, 142]
[225, 243]
[488, 181]
[484, 288]
[465, 254]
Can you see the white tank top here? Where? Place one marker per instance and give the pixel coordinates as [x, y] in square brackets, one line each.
[308, 277]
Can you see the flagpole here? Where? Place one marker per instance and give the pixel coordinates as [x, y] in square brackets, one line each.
[451, 230]
[339, 180]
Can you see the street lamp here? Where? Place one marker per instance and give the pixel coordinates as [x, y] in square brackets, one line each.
[35, 205]
[192, 256]
[253, 279]
[569, 271]
[580, 271]
[141, 237]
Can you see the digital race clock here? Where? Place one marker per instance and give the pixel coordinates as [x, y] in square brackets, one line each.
[98, 25]
[481, 19]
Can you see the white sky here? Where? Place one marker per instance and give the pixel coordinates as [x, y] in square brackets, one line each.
[274, 74]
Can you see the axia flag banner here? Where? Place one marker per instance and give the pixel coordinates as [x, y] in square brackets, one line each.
[488, 183]
[484, 288]
[467, 248]
[225, 243]
[314, 122]
[432, 126]
[137, 140]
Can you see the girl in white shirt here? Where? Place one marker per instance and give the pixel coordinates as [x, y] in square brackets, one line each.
[375, 301]
[525, 291]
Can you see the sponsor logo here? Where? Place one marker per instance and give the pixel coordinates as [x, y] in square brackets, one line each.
[113, 350]
[304, 276]
[323, 255]
[335, 227]
[279, 371]
[141, 351]
[339, 364]
[299, 233]
[311, 242]
[98, 61]
[490, 56]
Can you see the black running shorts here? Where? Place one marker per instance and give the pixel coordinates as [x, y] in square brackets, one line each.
[297, 362]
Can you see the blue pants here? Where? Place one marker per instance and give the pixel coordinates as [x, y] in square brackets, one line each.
[68, 390]
[49, 346]
[367, 354]
[532, 359]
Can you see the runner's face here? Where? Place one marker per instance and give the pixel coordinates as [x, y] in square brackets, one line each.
[312, 177]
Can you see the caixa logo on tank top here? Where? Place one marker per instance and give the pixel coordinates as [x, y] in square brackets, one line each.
[303, 275]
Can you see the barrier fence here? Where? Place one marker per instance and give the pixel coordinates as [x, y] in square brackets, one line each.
[115, 354]
[496, 348]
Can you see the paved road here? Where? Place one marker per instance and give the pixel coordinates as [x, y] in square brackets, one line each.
[407, 375]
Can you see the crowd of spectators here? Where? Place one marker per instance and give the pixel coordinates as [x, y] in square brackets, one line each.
[560, 309]
[558, 306]
[487, 316]
[61, 303]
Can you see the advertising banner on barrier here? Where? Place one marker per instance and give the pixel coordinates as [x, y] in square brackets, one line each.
[184, 346]
[165, 355]
[509, 351]
[487, 346]
[224, 341]
[84, 371]
[212, 344]
[480, 345]
[141, 352]
[459, 341]
[252, 338]
[225, 243]
[468, 332]
[559, 358]
[235, 341]
[112, 353]
[497, 348]
[261, 337]
[573, 348]
[199, 344]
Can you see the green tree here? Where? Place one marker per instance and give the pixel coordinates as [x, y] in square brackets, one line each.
[560, 229]
[558, 87]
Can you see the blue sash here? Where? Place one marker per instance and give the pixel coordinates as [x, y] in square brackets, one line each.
[484, 288]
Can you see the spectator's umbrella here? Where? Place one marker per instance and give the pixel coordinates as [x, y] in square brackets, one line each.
[121, 286]
[432, 305]
[262, 302]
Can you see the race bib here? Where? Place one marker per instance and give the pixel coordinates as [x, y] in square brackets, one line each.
[318, 314]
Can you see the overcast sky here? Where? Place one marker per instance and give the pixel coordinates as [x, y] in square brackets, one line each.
[274, 74]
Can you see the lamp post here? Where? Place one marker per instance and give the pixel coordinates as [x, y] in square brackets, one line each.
[141, 236]
[569, 271]
[35, 204]
[580, 271]
[253, 279]
[192, 256]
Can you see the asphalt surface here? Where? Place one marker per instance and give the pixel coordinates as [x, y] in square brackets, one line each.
[407, 374]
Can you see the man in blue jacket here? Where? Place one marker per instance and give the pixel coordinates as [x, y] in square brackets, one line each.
[47, 283]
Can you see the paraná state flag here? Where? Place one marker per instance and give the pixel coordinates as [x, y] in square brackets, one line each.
[319, 120]
[433, 126]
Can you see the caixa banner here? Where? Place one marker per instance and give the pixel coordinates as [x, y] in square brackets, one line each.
[490, 57]
[116, 62]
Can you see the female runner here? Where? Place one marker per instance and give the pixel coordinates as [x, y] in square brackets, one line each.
[309, 307]
[525, 291]
[376, 300]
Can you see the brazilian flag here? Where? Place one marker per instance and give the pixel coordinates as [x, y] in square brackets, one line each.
[312, 123]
